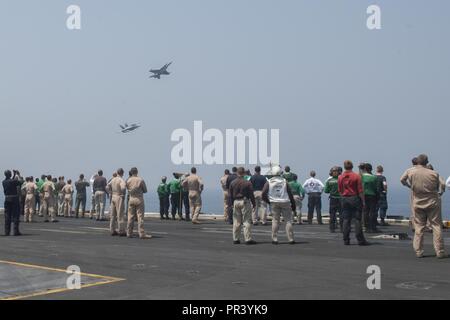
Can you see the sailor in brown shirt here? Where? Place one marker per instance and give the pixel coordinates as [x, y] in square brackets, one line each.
[194, 185]
[136, 207]
[242, 200]
[425, 186]
[99, 188]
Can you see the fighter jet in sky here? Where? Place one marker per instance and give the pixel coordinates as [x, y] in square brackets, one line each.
[158, 73]
[126, 128]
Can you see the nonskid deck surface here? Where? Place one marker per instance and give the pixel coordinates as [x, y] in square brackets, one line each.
[184, 261]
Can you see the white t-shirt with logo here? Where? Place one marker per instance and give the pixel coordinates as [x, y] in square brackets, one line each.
[278, 190]
[313, 185]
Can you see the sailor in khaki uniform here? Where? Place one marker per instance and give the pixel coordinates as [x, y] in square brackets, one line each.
[67, 191]
[60, 196]
[278, 194]
[223, 184]
[117, 189]
[194, 185]
[48, 200]
[242, 201]
[404, 181]
[136, 208]
[425, 186]
[30, 189]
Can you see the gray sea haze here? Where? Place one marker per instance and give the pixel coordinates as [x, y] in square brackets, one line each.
[398, 199]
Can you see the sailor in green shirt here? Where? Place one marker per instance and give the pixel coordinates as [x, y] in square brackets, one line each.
[248, 175]
[163, 194]
[40, 190]
[371, 195]
[175, 196]
[288, 175]
[331, 188]
[299, 194]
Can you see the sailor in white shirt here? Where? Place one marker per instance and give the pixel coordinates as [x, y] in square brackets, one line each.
[448, 183]
[314, 188]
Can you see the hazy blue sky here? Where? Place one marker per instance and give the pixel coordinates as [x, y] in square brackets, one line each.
[310, 68]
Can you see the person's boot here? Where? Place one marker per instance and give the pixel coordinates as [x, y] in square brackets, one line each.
[16, 232]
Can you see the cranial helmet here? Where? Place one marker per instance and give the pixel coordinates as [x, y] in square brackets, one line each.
[276, 170]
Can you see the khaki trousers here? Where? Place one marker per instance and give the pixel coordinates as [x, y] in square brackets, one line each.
[136, 209]
[93, 206]
[195, 204]
[298, 204]
[284, 210]
[259, 212]
[67, 207]
[225, 205]
[434, 217]
[61, 203]
[242, 214]
[100, 200]
[41, 208]
[117, 215]
[29, 207]
[48, 206]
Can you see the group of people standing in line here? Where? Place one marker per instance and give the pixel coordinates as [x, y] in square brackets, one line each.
[183, 190]
[51, 198]
[375, 189]
[359, 197]
[248, 199]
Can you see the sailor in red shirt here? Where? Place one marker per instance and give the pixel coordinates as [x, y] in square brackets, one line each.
[351, 190]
